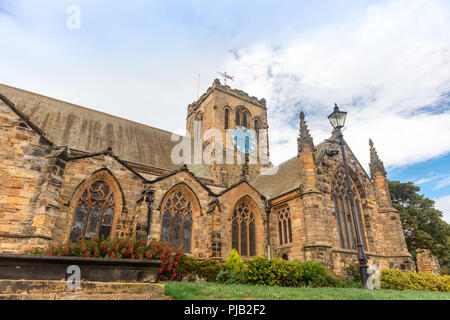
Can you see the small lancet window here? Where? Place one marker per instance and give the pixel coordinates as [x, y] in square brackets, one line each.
[227, 118]
[244, 119]
[284, 225]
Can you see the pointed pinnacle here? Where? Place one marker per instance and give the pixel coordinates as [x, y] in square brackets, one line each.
[375, 163]
[304, 136]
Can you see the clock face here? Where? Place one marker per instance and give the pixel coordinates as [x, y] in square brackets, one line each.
[243, 139]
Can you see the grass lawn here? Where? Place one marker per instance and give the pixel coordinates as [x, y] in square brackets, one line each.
[213, 291]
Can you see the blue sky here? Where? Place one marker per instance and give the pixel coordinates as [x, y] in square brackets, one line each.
[385, 62]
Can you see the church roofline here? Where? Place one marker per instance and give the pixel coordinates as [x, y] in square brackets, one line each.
[86, 108]
[239, 183]
[108, 152]
[183, 169]
[27, 120]
[323, 153]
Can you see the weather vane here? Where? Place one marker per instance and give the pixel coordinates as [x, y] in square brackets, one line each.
[225, 77]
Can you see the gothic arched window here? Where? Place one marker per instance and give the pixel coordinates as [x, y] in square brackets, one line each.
[177, 219]
[227, 119]
[244, 119]
[198, 127]
[284, 225]
[243, 233]
[345, 224]
[94, 211]
[238, 117]
[257, 127]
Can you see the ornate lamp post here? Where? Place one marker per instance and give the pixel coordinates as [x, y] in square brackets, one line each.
[337, 119]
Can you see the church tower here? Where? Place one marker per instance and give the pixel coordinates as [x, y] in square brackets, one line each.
[214, 116]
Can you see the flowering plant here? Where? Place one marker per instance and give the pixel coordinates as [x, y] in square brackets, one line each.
[120, 249]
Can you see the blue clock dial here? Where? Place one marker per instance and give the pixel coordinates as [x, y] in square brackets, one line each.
[243, 139]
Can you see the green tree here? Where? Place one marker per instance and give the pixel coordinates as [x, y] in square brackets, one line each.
[422, 222]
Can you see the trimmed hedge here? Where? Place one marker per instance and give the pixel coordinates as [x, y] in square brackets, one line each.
[406, 281]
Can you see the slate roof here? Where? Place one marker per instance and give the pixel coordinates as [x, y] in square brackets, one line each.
[282, 179]
[89, 130]
[279, 180]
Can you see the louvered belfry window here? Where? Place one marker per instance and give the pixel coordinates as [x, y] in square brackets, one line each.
[94, 212]
[243, 231]
[177, 221]
[342, 211]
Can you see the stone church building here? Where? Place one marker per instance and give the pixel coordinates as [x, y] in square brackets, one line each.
[69, 172]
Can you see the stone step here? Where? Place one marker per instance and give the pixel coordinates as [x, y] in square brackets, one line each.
[58, 290]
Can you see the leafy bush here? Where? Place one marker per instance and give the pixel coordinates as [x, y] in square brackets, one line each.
[120, 249]
[233, 270]
[316, 275]
[277, 272]
[264, 272]
[226, 276]
[188, 268]
[406, 281]
[352, 272]
[234, 262]
[209, 269]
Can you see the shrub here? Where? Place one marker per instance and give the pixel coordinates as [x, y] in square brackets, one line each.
[276, 272]
[226, 276]
[188, 268]
[233, 270]
[397, 280]
[264, 272]
[234, 262]
[352, 272]
[316, 275]
[120, 249]
[209, 269]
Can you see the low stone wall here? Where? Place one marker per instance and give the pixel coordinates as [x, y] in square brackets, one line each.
[35, 277]
[342, 258]
[427, 263]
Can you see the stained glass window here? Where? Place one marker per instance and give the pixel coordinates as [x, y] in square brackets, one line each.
[177, 220]
[345, 225]
[243, 233]
[94, 212]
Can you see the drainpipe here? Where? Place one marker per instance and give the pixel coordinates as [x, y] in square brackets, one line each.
[149, 197]
[267, 207]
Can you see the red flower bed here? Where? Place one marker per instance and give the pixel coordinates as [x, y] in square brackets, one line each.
[120, 249]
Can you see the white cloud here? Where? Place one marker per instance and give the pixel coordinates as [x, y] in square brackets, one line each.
[443, 182]
[443, 204]
[384, 69]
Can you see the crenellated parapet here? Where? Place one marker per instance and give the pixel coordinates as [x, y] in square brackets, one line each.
[228, 90]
